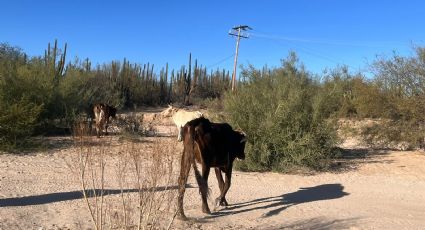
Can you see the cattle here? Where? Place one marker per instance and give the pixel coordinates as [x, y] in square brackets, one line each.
[102, 112]
[180, 117]
[210, 144]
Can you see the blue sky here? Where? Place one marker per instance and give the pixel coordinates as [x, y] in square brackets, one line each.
[324, 33]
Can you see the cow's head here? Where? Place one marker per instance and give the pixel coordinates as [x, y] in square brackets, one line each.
[112, 112]
[239, 144]
[168, 112]
[199, 114]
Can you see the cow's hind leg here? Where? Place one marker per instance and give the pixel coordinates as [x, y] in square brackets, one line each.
[184, 173]
[203, 186]
[204, 194]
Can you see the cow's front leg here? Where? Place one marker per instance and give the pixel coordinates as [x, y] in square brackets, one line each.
[205, 174]
[180, 133]
[98, 129]
[228, 174]
[106, 128]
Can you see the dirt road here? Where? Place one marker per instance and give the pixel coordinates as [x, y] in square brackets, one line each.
[374, 190]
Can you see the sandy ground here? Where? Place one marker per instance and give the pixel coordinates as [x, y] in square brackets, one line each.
[372, 190]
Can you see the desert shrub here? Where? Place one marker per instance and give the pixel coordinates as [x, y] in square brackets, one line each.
[401, 81]
[74, 90]
[281, 112]
[337, 92]
[21, 106]
[400, 135]
[369, 101]
[11, 58]
[350, 95]
[17, 123]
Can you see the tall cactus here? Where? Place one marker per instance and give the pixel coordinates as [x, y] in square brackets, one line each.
[170, 89]
[189, 83]
[55, 68]
[163, 78]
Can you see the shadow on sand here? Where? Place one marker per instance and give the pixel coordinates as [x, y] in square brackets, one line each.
[352, 159]
[279, 203]
[72, 195]
[320, 223]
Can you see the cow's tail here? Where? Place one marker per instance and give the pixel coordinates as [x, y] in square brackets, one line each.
[202, 183]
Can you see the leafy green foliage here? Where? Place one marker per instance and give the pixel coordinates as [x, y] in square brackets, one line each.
[54, 95]
[17, 123]
[281, 112]
[402, 82]
[287, 112]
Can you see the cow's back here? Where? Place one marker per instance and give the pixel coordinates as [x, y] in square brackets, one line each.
[101, 113]
[181, 117]
[212, 139]
[97, 111]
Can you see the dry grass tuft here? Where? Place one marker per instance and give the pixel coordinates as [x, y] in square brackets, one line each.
[127, 186]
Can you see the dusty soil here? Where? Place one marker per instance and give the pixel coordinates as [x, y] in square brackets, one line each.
[370, 190]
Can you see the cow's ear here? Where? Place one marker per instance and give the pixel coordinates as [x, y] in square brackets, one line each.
[243, 140]
[241, 132]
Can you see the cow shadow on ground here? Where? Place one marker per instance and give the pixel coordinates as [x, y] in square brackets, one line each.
[276, 204]
[73, 195]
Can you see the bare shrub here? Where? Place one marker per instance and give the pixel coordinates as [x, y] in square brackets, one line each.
[131, 186]
[135, 125]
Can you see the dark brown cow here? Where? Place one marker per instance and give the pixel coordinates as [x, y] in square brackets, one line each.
[212, 145]
[102, 112]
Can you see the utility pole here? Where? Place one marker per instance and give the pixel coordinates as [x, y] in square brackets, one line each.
[236, 31]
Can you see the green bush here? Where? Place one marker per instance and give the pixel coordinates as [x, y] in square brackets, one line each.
[353, 96]
[17, 123]
[401, 82]
[281, 112]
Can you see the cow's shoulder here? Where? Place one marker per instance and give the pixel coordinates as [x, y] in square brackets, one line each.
[111, 111]
[222, 131]
[225, 132]
[201, 121]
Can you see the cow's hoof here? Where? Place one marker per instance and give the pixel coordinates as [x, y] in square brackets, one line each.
[221, 202]
[182, 217]
[217, 201]
[206, 210]
[224, 203]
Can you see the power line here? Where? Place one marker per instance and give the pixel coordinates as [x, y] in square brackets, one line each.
[375, 44]
[221, 61]
[304, 49]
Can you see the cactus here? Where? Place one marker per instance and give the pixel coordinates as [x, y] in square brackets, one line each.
[55, 68]
[189, 83]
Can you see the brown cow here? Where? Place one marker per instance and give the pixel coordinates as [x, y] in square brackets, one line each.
[212, 145]
[102, 113]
